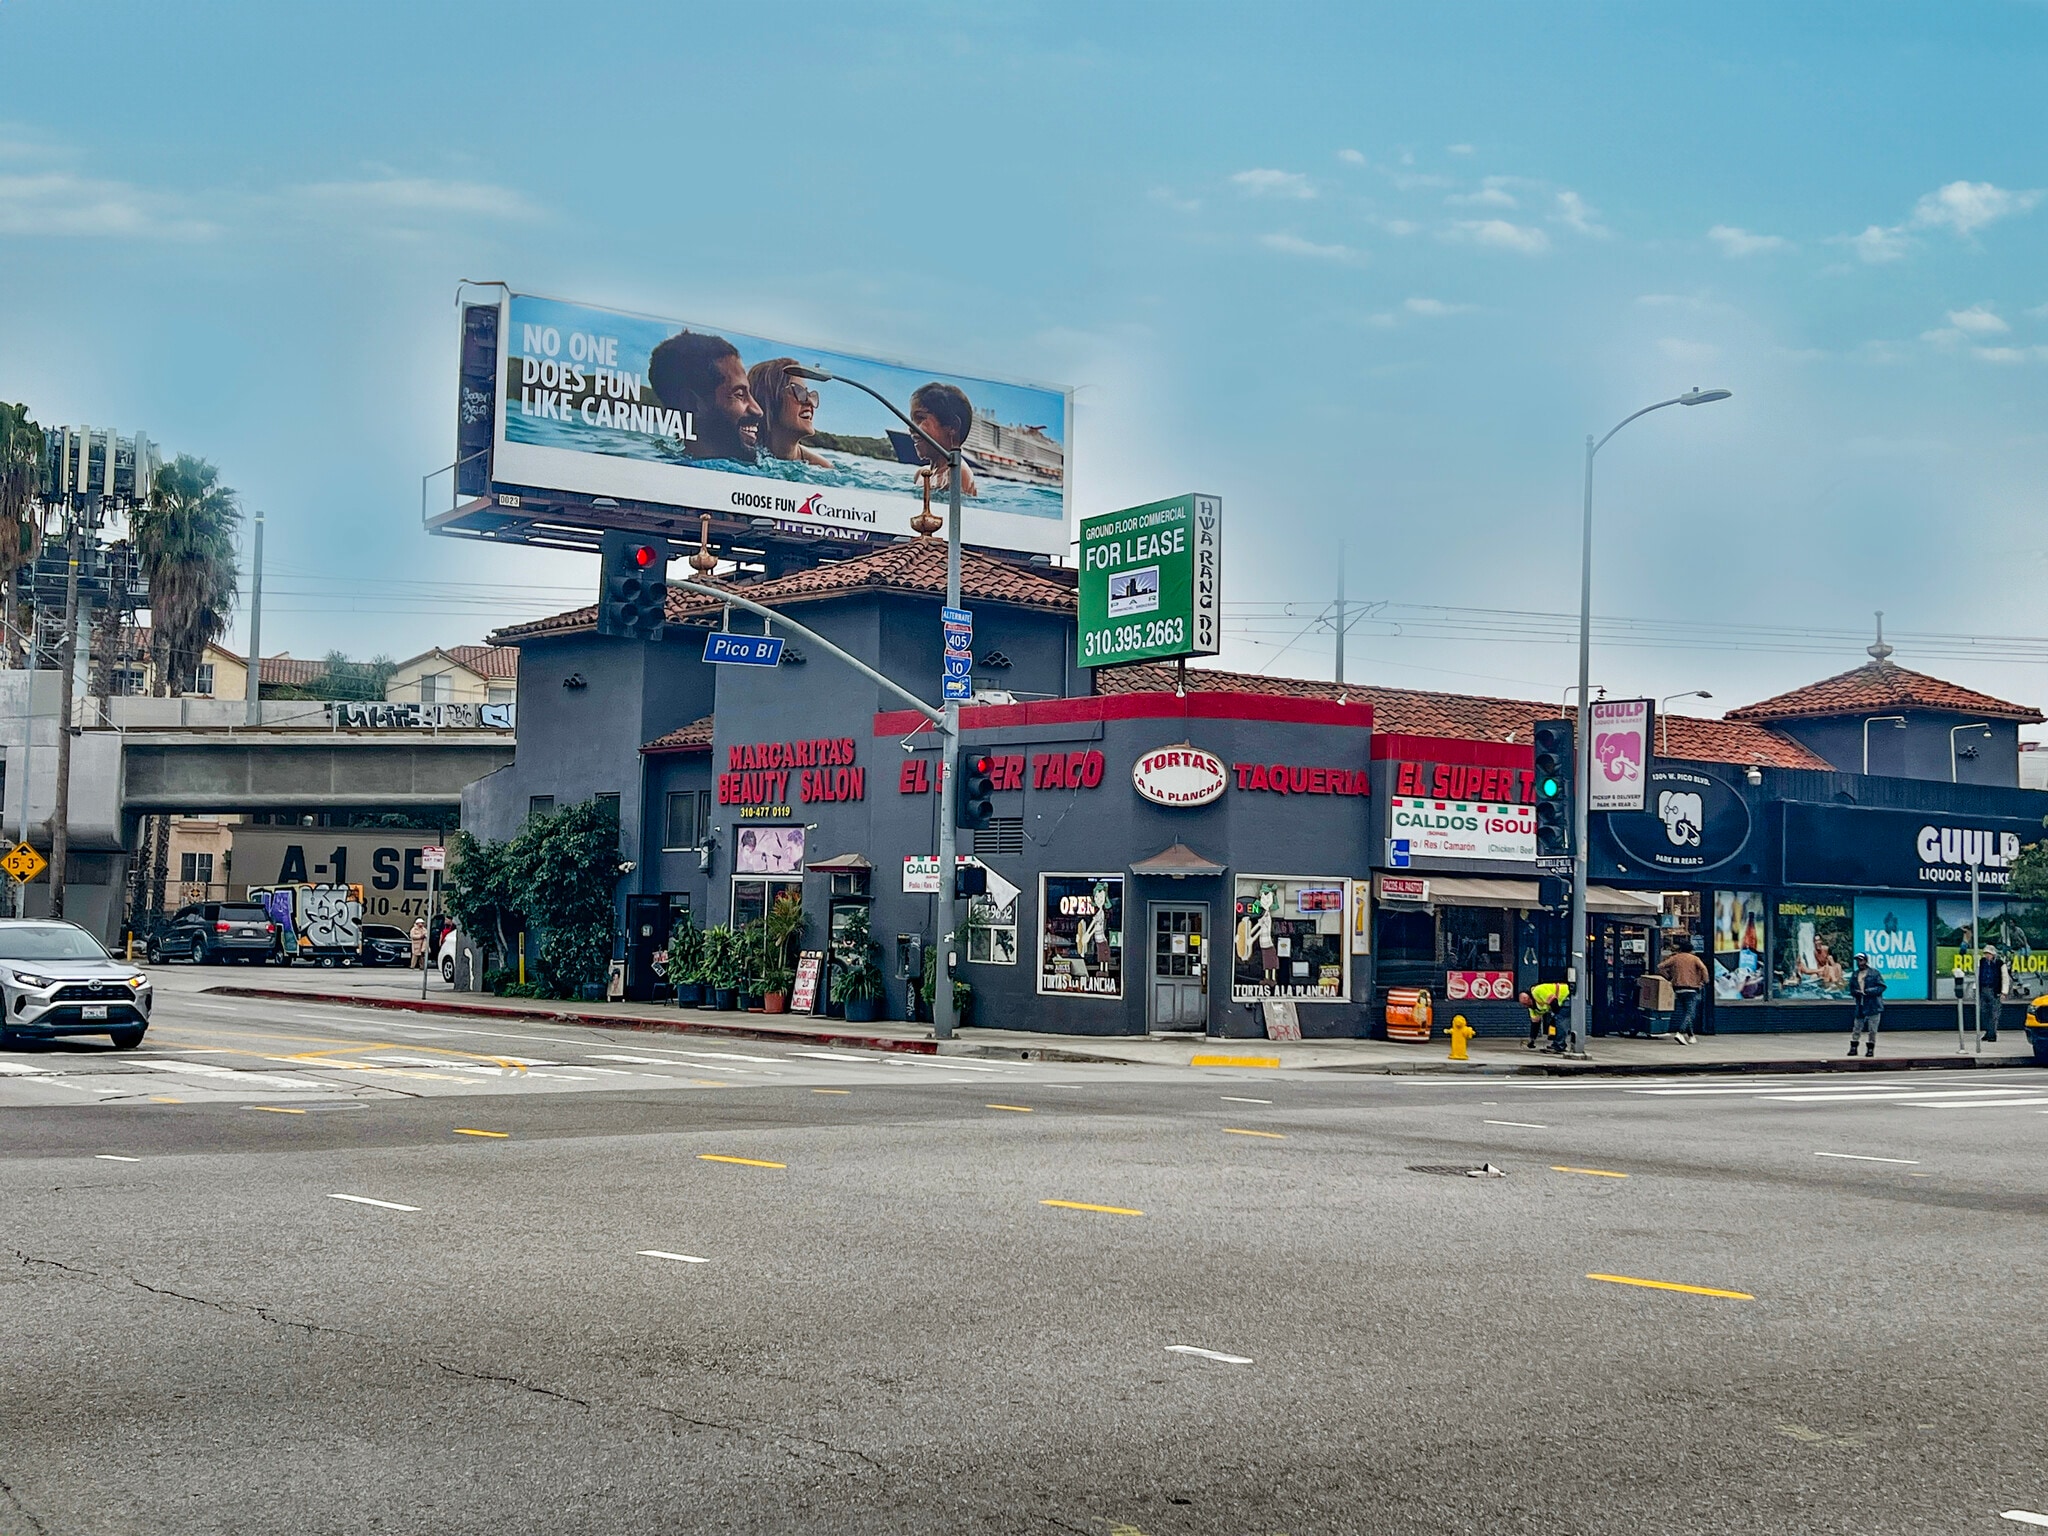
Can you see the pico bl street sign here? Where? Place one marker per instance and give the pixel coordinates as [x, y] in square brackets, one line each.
[1151, 584]
[743, 650]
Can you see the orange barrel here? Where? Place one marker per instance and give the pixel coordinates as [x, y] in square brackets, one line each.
[1409, 1014]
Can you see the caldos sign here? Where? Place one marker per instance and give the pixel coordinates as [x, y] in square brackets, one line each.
[1690, 820]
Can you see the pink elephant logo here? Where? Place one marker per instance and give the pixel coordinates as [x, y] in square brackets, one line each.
[1620, 755]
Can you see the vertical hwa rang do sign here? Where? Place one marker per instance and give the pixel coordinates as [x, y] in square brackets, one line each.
[1151, 585]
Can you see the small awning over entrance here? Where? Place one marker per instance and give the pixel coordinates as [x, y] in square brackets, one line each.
[1178, 862]
[1458, 891]
[842, 861]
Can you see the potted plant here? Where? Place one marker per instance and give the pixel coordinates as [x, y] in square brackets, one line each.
[720, 971]
[781, 931]
[751, 942]
[685, 958]
[857, 971]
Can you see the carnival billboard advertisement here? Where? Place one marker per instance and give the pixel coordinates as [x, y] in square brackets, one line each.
[604, 403]
[1151, 585]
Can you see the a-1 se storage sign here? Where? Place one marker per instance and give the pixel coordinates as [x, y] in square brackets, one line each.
[390, 866]
[1151, 583]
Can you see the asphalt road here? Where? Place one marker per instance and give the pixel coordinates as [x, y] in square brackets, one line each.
[607, 1281]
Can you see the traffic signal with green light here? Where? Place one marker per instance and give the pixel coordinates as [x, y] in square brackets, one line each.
[1556, 761]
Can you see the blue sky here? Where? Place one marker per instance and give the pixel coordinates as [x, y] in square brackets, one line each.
[1371, 273]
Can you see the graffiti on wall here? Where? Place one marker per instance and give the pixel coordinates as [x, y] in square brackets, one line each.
[319, 917]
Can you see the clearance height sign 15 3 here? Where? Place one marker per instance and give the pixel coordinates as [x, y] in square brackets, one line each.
[1152, 582]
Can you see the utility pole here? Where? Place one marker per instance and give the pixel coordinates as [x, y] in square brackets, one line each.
[254, 687]
[28, 759]
[1340, 611]
[60, 819]
[943, 1017]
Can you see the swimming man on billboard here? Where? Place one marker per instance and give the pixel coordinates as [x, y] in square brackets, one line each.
[703, 375]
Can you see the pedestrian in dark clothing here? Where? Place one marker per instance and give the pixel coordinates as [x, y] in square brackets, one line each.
[1866, 988]
[1990, 992]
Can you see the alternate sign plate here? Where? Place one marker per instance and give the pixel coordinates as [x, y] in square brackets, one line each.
[24, 863]
[743, 650]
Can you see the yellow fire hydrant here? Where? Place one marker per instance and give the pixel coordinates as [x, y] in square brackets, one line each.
[1460, 1033]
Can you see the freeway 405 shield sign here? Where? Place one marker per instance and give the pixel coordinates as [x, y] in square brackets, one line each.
[1152, 582]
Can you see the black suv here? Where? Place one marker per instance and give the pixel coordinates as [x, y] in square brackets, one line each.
[212, 932]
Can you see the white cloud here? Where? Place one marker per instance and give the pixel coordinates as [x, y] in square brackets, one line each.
[1436, 309]
[1459, 149]
[1351, 157]
[1270, 183]
[1174, 200]
[1740, 242]
[59, 204]
[1978, 320]
[1967, 206]
[1500, 235]
[1294, 245]
[2038, 312]
[1688, 352]
[2003, 354]
[414, 195]
[1878, 244]
[1491, 195]
[1401, 226]
[1573, 213]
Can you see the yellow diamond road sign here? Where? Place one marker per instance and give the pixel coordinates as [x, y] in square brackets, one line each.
[24, 863]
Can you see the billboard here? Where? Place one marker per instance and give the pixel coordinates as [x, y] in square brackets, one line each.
[603, 403]
[1151, 584]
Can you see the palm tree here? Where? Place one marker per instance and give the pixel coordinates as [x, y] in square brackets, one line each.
[21, 489]
[185, 545]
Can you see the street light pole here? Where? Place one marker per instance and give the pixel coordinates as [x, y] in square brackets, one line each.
[1664, 730]
[943, 1017]
[1974, 725]
[1582, 788]
[1898, 724]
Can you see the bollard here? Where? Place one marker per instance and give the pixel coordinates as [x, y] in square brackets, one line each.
[1460, 1033]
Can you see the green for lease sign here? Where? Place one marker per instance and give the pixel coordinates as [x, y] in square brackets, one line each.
[1152, 582]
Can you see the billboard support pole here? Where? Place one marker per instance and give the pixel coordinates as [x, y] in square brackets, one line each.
[943, 1018]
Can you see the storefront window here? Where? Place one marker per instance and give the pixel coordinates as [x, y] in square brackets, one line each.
[1290, 939]
[1738, 946]
[1479, 957]
[2018, 928]
[1081, 934]
[992, 928]
[1812, 948]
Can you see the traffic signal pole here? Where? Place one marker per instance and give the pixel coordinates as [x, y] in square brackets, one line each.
[1582, 759]
[943, 1016]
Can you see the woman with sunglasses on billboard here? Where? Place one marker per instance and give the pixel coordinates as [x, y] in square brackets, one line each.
[792, 408]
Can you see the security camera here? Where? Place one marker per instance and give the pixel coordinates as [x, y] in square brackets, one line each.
[627, 866]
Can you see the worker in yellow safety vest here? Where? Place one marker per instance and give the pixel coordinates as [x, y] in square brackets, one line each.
[1545, 1001]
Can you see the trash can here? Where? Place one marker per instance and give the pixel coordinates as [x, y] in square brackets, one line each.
[1409, 1014]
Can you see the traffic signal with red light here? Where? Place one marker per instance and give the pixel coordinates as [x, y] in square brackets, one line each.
[972, 805]
[632, 599]
[1556, 764]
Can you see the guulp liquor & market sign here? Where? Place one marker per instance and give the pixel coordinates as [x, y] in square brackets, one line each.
[1151, 585]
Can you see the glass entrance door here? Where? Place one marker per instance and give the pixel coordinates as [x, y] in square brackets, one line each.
[1180, 966]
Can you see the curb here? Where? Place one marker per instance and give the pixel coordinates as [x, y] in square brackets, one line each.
[1682, 1069]
[682, 1025]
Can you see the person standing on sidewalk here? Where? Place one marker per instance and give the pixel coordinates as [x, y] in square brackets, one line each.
[1866, 989]
[1687, 974]
[419, 942]
[1990, 992]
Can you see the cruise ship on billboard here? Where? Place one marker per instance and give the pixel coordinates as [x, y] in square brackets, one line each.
[1024, 455]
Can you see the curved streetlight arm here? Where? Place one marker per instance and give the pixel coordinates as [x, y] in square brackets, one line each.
[1594, 448]
[822, 377]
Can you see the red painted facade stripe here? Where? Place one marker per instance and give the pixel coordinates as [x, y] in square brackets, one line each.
[1139, 706]
[1452, 749]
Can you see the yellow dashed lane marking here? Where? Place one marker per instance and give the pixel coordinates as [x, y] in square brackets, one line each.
[272, 1109]
[1015, 1109]
[1668, 1285]
[749, 1162]
[463, 1130]
[1235, 1061]
[1231, 1130]
[831, 1090]
[1079, 1205]
[1598, 1173]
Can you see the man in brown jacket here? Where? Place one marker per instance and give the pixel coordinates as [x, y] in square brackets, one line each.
[1687, 974]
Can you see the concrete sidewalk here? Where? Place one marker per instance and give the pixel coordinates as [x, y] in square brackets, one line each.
[1822, 1051]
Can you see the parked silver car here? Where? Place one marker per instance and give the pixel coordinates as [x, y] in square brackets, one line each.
[56, 980]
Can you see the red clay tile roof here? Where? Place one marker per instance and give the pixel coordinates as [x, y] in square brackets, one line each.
[291, 672]
[694, 737]
[499, 663]
[916, 567]
[1476, 717]
[1878, 686]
